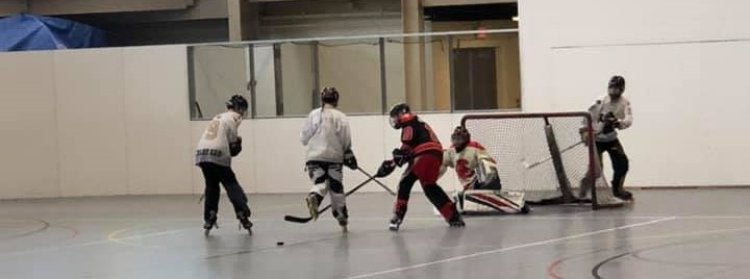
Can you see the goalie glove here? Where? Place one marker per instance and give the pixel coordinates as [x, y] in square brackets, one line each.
[349, 160]
[235, 147]
[610, 123]
[401, 157]
[386, 168]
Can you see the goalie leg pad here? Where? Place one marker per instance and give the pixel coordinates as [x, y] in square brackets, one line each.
[492, 183]
[487, 201]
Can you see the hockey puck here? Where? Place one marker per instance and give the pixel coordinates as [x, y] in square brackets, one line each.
[280, 243]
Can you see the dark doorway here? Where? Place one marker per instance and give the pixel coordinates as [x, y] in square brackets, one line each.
[476, 78]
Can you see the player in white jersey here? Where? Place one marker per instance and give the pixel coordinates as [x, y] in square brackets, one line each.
[611, 113]
[478, 175]
[327, 137]
[218, 144]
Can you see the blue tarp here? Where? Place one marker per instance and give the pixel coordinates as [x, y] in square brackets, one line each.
[30, 32]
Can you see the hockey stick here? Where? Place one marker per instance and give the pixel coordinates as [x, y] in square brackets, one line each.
[528, 165]
[377, 181]
[296, 219]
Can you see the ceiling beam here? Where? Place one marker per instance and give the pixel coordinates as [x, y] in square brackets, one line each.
[10, 7]
[71, 7]
[437, 3]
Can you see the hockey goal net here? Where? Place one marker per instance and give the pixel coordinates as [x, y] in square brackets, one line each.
[549, 156]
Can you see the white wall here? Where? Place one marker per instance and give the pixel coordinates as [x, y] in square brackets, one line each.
[28, 126]
[95, 122]
[115, 121]
[687, 85]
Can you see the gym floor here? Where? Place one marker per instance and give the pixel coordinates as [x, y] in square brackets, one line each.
[700, 233]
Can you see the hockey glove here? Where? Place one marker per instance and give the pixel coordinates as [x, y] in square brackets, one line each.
[401, 157]
[610, 123]
[349, 160]
[385, 169]
[235, 147]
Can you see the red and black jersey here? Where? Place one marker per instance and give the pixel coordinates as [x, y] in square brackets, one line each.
[418, 138]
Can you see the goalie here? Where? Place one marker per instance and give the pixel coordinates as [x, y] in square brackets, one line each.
[477, 173]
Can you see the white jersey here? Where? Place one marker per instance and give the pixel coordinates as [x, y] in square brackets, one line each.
[213, 146]
[326, 135]
[473, 164]
[602, 107]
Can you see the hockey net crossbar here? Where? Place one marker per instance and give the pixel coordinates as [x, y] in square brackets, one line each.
[549, 156]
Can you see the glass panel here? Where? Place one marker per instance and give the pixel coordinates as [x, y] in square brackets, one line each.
[353, 67]
[264, 81]
[439, 73]
[298, 78]
[218, 72]
[415, 59]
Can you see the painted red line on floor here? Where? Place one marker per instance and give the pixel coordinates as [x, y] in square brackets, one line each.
[552, 269]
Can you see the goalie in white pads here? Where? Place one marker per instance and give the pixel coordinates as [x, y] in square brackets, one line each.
[477, 173]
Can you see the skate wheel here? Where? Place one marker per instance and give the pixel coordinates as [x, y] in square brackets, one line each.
[525, 209]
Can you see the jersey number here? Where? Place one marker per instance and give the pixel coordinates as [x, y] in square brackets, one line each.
[212, 131]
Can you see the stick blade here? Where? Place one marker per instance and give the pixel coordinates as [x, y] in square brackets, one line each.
[295, 219]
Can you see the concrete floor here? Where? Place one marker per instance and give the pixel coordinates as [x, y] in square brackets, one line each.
[666, 234]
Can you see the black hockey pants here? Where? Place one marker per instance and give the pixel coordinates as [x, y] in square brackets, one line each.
[215, 174]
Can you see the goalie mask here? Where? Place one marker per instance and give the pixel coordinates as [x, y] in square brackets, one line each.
[460, 138]
[329, 95]
[400, 115]
[238, 104]
[616, 87]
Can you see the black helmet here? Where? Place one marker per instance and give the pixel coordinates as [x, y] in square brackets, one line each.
[237, 103]
[460, 138]
[329, 95]
[617, 82]
[400, 114]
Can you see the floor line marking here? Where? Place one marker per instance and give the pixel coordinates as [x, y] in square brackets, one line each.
[511, 248]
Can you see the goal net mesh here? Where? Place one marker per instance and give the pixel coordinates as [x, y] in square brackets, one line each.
[549, 156]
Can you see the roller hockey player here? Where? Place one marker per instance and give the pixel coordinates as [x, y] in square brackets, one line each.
[214, 153]
[611, 113]
[328, 140]
[422, 151]
[477, 173]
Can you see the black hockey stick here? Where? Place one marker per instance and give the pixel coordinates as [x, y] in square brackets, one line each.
[377, 181]
[296, 219]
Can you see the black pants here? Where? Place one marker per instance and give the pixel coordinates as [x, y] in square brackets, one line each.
[215, 174]
[620, 162]
[425, 169]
